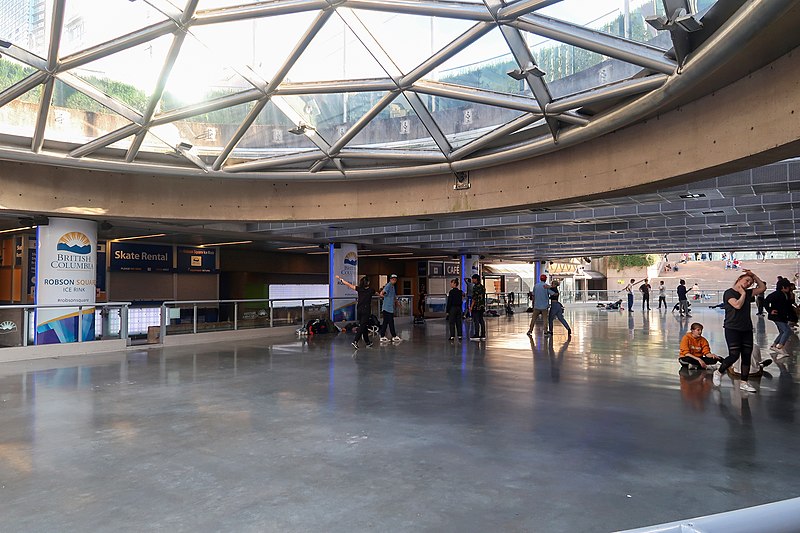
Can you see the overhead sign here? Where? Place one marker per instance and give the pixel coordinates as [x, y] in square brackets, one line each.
[66, 263]
[452, 269]
[197, 260]
[134, 257]
[435, 269]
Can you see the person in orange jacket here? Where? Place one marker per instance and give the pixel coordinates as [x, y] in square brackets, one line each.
[695, 351]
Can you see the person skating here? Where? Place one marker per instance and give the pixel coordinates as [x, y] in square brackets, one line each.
[363, 308]
[683, 300]
[477, 308]
[389, 294]
[780, 311]
[455, 299]
[556, 309]
[644, 288]
[541, 304]
[629, 289]
[738, 326]
[662, 295]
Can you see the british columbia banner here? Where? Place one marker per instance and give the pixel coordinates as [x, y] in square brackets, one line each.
[343, 262]
[66, 260]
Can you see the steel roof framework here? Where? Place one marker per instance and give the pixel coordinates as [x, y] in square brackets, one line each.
[329, 161]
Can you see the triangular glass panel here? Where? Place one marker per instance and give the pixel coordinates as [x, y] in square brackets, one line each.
[129, 76]
[608, 16]
[335, 53]
[397, 127]
[18, 117]
[86, 22]
[333, 114]
[272, 134]
[156, 140]
[198, 75]
[213, 4]
[12, 71]
[262, 44]
[484, 64]
[76, 118]
[209, 132]
[27, 24]
[411, 39]
[569, 69]
[463, 122]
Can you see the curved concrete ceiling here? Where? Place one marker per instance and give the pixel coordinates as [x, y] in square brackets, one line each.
[545, 125]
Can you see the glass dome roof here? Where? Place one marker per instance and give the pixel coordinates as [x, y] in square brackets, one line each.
[314, 89]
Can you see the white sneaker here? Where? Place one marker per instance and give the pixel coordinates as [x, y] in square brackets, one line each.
[717, 378]
[385, 339]
[712, 366]
[746, 387]
[396, 339]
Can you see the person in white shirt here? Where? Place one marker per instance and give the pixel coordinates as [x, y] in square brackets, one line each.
[662, 295]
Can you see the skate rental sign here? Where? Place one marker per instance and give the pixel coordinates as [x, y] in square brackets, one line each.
[66, 263]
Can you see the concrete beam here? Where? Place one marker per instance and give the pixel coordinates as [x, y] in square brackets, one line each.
[699, 140]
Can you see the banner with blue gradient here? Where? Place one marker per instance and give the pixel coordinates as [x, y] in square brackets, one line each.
[66, 266]
[343, 261]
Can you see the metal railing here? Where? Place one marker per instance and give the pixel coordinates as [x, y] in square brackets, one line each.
[436, 303]
[711, 297]
[197, 316]
[111, 321]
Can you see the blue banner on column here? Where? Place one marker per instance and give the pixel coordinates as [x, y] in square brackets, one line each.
[343, 261]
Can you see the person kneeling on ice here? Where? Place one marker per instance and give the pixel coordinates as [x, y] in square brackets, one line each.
[695, 351]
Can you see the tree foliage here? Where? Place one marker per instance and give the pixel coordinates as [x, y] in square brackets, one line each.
[621, 262]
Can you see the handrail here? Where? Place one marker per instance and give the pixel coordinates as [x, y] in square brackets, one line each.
[62, 306]
[269, 303]
[123, 314]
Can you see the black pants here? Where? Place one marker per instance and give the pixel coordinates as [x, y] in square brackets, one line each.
[480, 325]
[760, 304]
[454, 322]
[363, 327]
[388, 321]
[686, 360]
[645, 301]
[662, 299]
[740, 344]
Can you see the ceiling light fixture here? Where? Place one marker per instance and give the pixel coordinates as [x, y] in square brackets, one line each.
[388, 255]
[301, 129]
[306, 247]
[713, 212]
[693, 195]
[224, 243]
[138, 237]
[17, 229]
[521, 74]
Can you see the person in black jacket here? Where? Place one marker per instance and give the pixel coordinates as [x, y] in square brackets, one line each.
[779, 310]
[363, 307]
[455, 299]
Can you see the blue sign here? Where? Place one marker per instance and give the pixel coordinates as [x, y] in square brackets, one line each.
[202, 260]
[135, 257]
